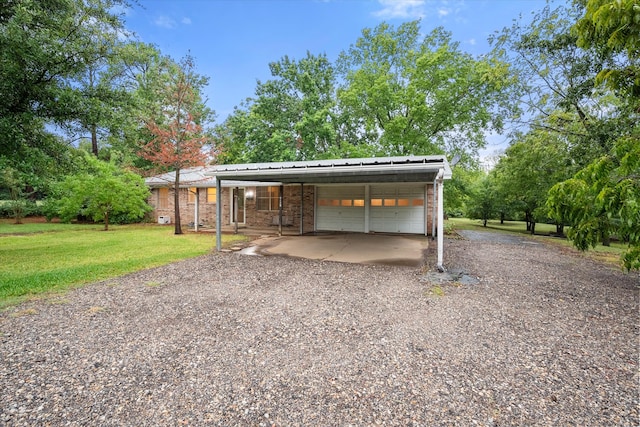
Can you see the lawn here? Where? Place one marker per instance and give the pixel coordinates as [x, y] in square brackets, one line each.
[609, 254]
[40, 258]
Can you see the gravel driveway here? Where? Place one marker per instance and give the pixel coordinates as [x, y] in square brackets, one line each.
[545, 338]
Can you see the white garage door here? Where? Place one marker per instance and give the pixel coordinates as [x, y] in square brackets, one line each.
[340, 208]
[397, 208]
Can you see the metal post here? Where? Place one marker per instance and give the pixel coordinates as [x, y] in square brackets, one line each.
[301, 208]
[196, 209]
[218, 214]
[433, 210]
[440, 219]
[235, 210]
[280, 203]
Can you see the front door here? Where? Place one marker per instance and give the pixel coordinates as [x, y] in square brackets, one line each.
[238, 206]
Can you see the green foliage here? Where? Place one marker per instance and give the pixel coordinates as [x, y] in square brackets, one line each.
[457, 191]
[614, 25]
[291, 117]
[603, 199]
[44, 48]
[409, 93]
[527, 171]
[100, 191]
[483, 198]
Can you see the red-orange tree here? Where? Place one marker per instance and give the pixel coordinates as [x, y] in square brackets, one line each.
[177, 137]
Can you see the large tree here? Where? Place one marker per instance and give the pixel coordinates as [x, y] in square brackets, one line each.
[604, 197]
[410, 93]
[42, 46]
[178, 139]
[529, 168]
[291, 117]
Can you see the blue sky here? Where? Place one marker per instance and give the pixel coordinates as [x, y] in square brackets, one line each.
[233, 41]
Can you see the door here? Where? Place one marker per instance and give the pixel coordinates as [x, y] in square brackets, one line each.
[340, 208]
[238, 206]
[397, 208]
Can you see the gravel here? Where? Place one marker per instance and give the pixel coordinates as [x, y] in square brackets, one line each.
[541, 337]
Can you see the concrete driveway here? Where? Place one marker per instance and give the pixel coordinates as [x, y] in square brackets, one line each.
[347, 247]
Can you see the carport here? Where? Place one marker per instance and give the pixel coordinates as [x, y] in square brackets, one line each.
[362, 189]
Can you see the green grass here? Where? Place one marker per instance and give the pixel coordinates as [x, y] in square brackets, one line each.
[609, 254]
[40, 260]
[508, 226]
[7, 226]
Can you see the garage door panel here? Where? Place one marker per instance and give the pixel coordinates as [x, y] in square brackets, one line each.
[341, 208]
[397, 209]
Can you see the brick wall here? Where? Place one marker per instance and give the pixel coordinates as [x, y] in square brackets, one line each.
[254, 218]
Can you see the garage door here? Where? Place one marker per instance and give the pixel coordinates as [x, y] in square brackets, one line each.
[397, 209]
[340, 208]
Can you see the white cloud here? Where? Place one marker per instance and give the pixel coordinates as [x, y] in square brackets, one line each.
[411, 9]
[186, 21]
[165, 22]
[472, 42]
[442, 12]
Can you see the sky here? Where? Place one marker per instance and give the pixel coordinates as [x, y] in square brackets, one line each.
[233, 41]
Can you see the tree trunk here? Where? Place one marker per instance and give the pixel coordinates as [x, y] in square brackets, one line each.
[606, 239]
[484, 222]
[106, 221]
[501, 218]
[176, 203]
[533, 228]
[560, 229]
[94, 140]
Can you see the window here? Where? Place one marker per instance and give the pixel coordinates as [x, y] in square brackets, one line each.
[376, 202]
[267, 198]
[163, 198]
[417, 202]
[192, 194]
[403, 202]
[389, 202]
[358, 202]
[345, 202]
[211, 195]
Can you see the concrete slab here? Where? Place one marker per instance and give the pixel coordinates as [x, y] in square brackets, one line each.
[354, 248]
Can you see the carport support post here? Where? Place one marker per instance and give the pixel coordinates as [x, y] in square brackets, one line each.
[301, 208]
[439, 178]
[218, 214]
[433, 210]
[196, 212]
[235, 210]
[280, 204]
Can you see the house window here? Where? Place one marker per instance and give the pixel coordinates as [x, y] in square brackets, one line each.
[267, 198]
[211, 195]
[192, 195]
[163, 198]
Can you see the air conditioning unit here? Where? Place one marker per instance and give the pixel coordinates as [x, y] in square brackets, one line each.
[164, 219]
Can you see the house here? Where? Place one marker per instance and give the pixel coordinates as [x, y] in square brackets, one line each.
[371, 195]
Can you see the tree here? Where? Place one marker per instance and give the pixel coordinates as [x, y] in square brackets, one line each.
[11, 179]
[482, 203]
[615, 27]
[408, 93]
[99, 191]
[41, 46]
[291, 117]
[177, 135]
[529, 168]
[604, 197]
[556, 90]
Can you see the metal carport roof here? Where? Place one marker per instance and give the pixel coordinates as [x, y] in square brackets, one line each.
[340, 171]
